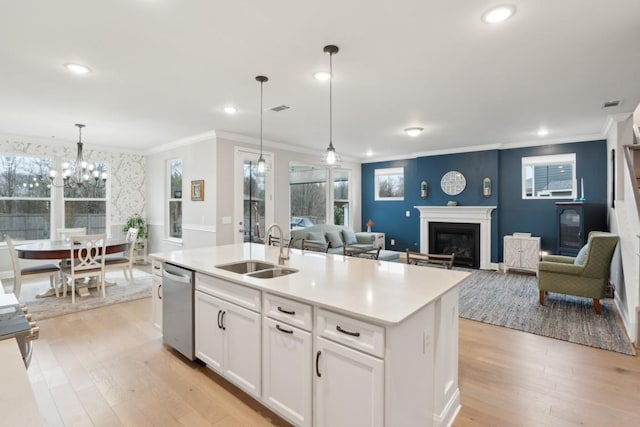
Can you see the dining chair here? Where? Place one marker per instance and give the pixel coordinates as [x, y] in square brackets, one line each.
[360, 252]
[314, 245]
[275, 241]
[418, 258]
[87, 260]
[124, 261]
[64, 233]
[50, 270]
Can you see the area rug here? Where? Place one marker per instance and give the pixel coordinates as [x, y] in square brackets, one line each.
[511, 300]
[44, 308]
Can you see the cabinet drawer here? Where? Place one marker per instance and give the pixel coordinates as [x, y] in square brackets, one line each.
[354, 333]
[241, 295]
[156, 268]
[292, 312]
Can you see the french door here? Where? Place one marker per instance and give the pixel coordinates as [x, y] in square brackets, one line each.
[253, 206]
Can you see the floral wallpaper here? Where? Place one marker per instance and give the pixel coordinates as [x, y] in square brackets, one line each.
[126, 182]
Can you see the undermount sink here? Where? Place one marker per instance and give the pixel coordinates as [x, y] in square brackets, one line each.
[243, 267]
[272, 272]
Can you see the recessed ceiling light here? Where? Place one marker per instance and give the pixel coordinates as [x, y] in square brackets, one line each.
[322, 75]
[499, 14]
[230, 109]
[77, 68]
[413, 132]
[543, 132]
[369, 153]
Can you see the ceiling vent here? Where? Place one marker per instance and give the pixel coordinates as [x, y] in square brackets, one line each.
[610, 104]
[279, 108]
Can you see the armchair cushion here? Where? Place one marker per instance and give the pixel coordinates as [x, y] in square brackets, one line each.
[349, 237]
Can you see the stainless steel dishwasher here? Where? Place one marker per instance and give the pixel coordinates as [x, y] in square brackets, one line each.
[177, 309]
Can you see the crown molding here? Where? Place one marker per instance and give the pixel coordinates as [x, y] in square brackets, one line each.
[183, 141]
[613, 120]
[236, 137]
[506, 146]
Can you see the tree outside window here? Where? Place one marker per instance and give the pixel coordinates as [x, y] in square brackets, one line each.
[25, 197]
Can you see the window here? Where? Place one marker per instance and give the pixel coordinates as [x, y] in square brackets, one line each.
[308, 195]
[25, 197]
[389, 184]
[549, 177]
[341, 197]
[85, 204]
[175, 199]
[318, 195]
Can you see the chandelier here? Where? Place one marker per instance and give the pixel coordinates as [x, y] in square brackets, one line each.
[81, 173]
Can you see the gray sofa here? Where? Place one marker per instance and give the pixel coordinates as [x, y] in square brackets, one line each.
[337, 236]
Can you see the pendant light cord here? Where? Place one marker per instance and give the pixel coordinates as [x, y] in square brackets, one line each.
[331, 99]
[261, 119]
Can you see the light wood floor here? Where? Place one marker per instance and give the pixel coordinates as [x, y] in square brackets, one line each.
[107, 367]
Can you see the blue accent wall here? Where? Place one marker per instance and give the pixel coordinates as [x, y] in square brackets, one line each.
[538, 217]
[504, 168]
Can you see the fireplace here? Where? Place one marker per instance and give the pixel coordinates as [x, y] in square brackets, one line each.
[480, 215]
[462, 239]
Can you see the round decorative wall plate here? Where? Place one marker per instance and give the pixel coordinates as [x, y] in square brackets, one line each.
[453, 183]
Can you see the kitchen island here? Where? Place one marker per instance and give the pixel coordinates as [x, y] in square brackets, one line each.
[342, 341]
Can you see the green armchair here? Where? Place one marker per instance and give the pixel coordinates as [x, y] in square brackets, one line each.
[586, 275]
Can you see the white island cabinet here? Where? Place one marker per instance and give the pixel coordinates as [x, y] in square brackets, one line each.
[342, 341]
[227, 334]
[286, 359]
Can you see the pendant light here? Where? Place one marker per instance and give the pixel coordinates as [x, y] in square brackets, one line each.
[331, 156]
[261, 162]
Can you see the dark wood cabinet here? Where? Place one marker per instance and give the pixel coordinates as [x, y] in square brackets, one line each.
[574, 222]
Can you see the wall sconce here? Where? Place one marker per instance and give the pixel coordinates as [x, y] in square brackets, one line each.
[486, 187]
[424, 189]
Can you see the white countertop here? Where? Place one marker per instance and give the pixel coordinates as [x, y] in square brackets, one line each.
[379, 291]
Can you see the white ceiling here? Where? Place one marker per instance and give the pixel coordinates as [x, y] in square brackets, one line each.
[164, 69]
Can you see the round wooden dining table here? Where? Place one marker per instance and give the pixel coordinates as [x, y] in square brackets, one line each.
[60, 249]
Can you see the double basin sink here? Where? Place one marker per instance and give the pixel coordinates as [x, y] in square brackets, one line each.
[257, 269]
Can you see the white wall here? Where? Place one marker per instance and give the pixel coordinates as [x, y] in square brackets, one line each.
[280, 171]
[198, 217]
[624, 221]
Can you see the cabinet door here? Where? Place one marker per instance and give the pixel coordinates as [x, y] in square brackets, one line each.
[530, 253]
[156, 301]
[242, 348]
[350, 388]
[286, 371]
[209, 337]
[511, 252]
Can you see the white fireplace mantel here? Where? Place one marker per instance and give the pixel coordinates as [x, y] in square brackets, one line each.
[462, 214]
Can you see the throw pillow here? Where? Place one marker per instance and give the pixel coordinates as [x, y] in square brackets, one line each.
[315, 235]
[349, 237]
[334, 238]
[581, 258]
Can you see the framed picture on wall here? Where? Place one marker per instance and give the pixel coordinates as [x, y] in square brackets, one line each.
[197, 190]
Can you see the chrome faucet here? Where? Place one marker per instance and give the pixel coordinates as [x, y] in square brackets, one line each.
[281, 257]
